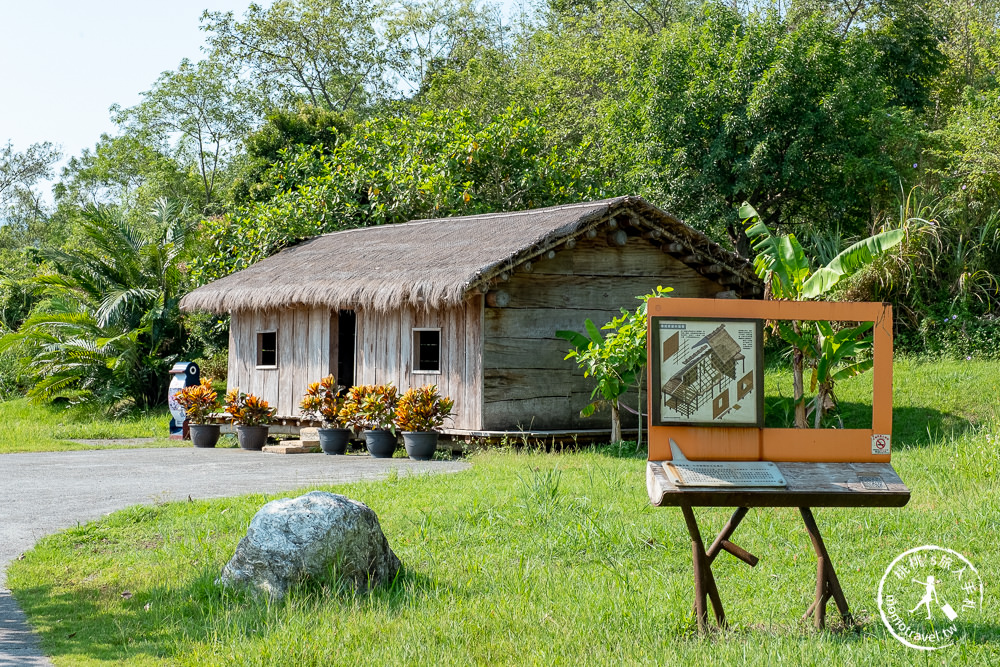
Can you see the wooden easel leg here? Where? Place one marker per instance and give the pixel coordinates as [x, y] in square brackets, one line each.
[827, 584]
[704, 581]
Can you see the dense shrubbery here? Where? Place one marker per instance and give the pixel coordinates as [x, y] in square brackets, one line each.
[108, 326]
[954, 336]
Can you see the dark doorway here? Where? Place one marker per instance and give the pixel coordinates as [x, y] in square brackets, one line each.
[345, 347]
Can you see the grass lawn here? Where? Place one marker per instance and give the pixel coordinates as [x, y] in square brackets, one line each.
[535, 558]
[44, 427]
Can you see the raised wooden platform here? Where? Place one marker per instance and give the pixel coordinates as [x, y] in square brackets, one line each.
[293, 425]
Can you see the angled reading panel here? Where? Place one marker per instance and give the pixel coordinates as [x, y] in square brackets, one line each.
[706, 389]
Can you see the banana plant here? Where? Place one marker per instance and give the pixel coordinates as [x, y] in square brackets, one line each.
[782, 264]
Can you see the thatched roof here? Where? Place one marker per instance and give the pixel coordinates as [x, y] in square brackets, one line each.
[439, 262]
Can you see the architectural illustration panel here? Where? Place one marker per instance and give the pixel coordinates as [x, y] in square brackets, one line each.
[707, 372]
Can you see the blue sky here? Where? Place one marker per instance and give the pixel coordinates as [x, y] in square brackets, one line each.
[64, 62]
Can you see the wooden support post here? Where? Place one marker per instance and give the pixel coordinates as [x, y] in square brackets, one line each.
[618, 238]
[722, 542]
[498, 299]
[704, 581]
[827, 584]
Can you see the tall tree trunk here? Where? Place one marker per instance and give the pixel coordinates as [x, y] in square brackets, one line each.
[798, 386]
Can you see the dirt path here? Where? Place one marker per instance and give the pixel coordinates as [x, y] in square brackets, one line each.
[45, 492]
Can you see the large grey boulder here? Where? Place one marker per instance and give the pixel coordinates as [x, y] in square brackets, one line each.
[310, 536]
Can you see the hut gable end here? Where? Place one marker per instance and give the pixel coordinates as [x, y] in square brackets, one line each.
[527, 383]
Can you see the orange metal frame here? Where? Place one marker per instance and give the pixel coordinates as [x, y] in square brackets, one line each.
[782, 444]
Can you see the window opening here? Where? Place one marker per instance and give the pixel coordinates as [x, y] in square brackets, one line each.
[267, 348]
[427, 350]
[345, 347]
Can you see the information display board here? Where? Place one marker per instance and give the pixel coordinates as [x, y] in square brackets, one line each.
[706, 384]
[707, 371]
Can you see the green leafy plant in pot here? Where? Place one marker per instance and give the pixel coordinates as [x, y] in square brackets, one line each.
[323, 399]
[199, 401]
[419, 413]
[250, 415]
[372, 410]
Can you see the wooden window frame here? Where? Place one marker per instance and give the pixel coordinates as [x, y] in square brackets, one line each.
[260, 350]
[415, 353]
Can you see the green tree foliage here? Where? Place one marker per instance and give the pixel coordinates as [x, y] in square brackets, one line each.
[908, 41]
[131, 170]
[282, 131]
[735, 108]
[201, 111]
[437, 36]
[109, 328]
[22, 226]
[20, 171]
[329, 52]
[397, 169]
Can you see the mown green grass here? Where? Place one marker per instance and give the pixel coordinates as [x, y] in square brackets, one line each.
[43, 427]
[533, 558]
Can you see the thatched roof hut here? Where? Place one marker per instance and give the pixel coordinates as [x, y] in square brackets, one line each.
[436, 263]
[484, 293]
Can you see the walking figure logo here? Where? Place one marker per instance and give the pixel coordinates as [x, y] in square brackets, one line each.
[936, 578]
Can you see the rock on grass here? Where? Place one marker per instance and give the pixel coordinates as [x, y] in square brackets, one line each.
[292, 539]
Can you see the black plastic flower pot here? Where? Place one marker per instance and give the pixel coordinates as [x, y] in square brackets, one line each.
[381, 443]
[205, 435]
[333, 440]
[420, 445]
[252, 437]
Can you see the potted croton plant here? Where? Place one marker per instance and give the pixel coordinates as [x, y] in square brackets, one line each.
[250, 415]
[199, 401]
[372, 410]
[420, 411]
[322, 399]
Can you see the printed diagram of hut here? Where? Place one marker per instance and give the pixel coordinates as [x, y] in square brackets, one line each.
[710, 369]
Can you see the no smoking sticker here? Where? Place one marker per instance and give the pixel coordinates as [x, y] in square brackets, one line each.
[881, 444]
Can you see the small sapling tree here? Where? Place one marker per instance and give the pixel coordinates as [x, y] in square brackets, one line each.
[617, 361]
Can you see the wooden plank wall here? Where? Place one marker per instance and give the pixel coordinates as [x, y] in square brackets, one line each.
[527, 383]
[304, 354]
[384, 354]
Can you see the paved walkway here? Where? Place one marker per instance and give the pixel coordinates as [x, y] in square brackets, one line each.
[46, 492]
